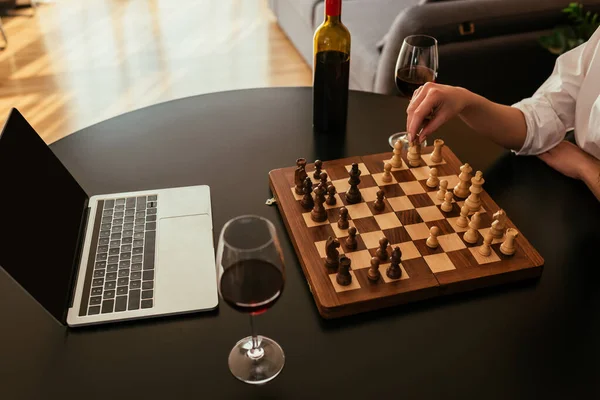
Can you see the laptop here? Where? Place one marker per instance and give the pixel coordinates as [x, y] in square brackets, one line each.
[103, 258]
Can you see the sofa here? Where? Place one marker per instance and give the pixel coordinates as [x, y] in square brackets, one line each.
[490, 47]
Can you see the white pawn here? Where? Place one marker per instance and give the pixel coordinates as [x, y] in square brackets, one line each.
[436, 156]
[396, 160]
[463, 221]
[414, 154]
[508, 246]
[432, 240]
[470, 236]
[441, 194]
[387, 173]
[433, 180]
[447, 204]
[485, 250]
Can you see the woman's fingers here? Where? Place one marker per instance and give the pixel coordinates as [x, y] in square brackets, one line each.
[416, 100]
[439, 118]
[421, 112]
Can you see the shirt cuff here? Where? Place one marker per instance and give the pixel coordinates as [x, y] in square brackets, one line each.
[525, 106]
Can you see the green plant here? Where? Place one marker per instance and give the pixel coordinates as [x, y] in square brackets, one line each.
[580, 28]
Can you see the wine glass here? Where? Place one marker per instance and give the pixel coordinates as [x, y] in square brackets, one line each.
[251, 277]
[417, 64]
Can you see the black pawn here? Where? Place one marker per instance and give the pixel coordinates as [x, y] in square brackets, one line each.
[307, 200]
[379, 205]
[353, 195]
[343, 277]
[394, 271]
[331, 196]
[382, 250]
[343, 219]
[374, 273]
[318, 167]
[351, 242]
[323, 178]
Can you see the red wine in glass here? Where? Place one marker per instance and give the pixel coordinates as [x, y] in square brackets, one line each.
[410, 78]
[262, 285]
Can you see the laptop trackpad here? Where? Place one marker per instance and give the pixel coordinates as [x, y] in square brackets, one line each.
[185, 270]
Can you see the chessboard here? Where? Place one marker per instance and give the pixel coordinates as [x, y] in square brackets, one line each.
[393, 221]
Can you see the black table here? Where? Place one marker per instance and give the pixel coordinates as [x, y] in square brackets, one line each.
[528, 340]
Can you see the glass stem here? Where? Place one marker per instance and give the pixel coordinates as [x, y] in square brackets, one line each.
[256, 352]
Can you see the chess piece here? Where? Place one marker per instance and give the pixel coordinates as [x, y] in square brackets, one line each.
[351, 242]
[394, 271]
[499, 224]
[447, 204]
[432, 241]
[353, 195]
[323, 178]
[473, 201]
[331, 246]
[508, 246]
[300, 175]
[379, 205]
[387, 173]
[343, 219]
[462, 187]
[485, 250]
[463, 221]
[441, 194]
[331, 196]
[381, 252]
[307, 200]
[373, 273]
[396, 160]
[318, 167]
[436, 155]
[343, 277]
[318, 213]
[414, 154]
[470, 235]
[433, 180]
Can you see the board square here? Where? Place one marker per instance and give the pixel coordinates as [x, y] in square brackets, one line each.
[296, 196]
[337, 172]
[371, 239]
[360, 210]
[409, 217]
[452, 222]
[427, 188]
[310, 223]
[338, 203]
[388, 221]
[433, 196]
[339, 288]
[403, 167]
[403, 176]
[493, 257]
[494, 240]
[370, 193]
[397, 235]
[320, 245]
[439, 263]
[386, 209]
[409, 250]
[401, 203]
[333, 214]
[421, 200]
[455, 212]
[427, 159]
[412, 187]
[380, 182]
[367, 181]
[431, 213]
[417, 231]
[342, 232]
[391, 191]
[425, 250]
[366, 225]
[452, 180]
[445, 227]
[451, 242]
[360, 259]
[321, 232]
[421, 173]
[362, 167]
[383, 268]
[341, 185]
[360, 245]
[478, 243]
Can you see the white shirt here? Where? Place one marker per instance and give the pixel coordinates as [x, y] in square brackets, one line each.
[568, 99]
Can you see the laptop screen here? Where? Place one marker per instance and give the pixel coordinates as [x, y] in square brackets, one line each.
[41, 207]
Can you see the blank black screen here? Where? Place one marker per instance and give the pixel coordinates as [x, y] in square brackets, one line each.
[41, 208]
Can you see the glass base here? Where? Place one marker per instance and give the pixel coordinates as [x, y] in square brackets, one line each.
[258, 366]
[403, 136]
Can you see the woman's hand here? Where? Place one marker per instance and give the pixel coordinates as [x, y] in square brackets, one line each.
[569, 160]
[441, 102]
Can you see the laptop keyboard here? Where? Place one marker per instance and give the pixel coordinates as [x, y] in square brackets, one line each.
[123, 277]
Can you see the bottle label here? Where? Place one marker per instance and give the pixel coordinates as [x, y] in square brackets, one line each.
[333, 8]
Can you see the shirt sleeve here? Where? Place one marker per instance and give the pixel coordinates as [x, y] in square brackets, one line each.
[550, 112]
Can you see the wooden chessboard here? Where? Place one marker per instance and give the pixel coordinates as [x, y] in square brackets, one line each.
[411, 208]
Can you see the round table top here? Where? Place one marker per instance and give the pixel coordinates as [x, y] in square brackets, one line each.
[525, 340]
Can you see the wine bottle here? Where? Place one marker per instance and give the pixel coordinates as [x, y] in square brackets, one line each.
[331, 72]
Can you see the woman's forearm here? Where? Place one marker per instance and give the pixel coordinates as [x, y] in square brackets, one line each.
[502, 124]
[591, 176]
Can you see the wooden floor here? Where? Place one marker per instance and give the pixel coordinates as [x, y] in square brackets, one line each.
[79, 62]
